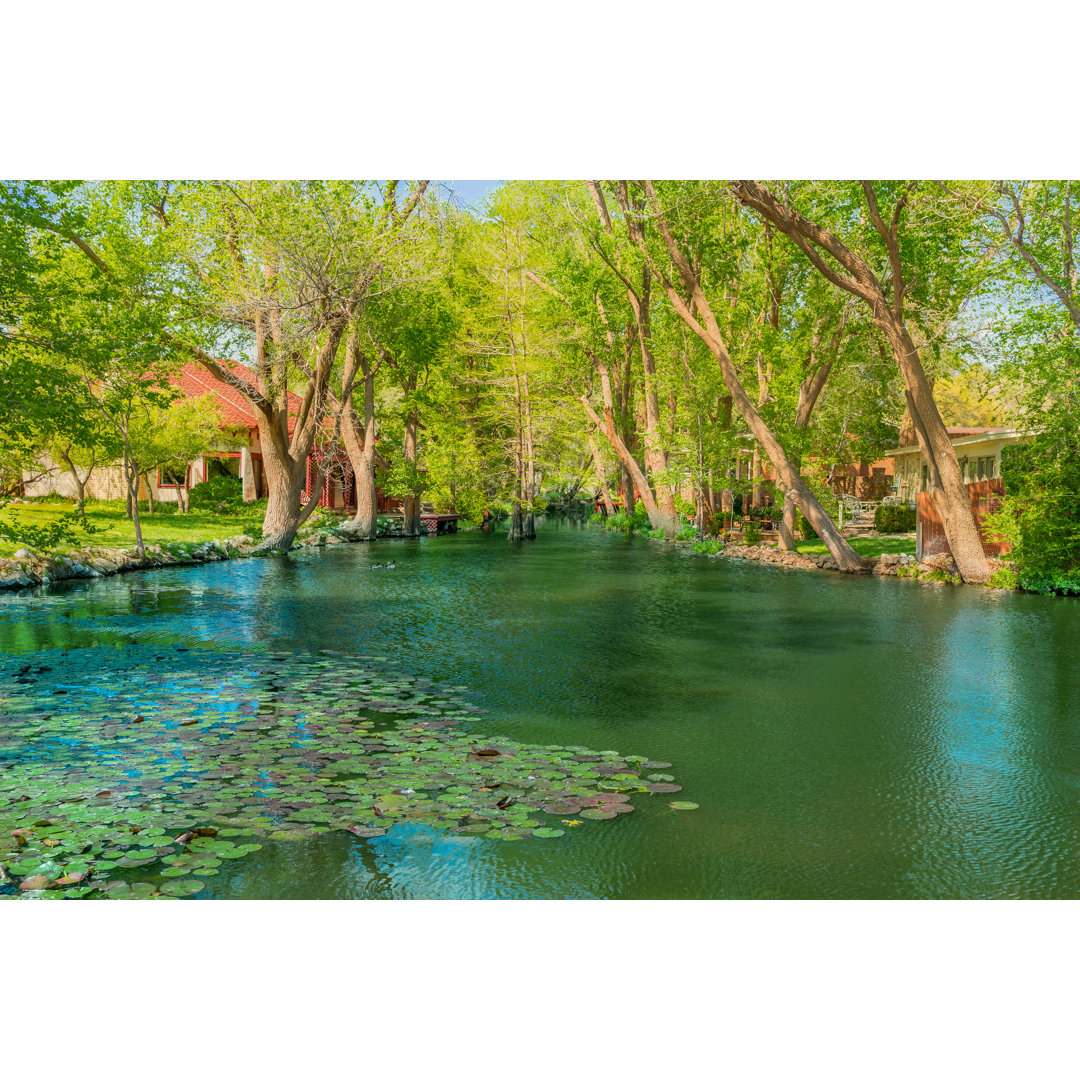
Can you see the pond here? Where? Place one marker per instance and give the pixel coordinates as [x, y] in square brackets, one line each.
[842, 738]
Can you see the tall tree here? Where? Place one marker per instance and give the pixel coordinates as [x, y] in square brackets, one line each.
[888, 299]
[690, 301]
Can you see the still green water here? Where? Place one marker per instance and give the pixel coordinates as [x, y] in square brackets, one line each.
[845, 738]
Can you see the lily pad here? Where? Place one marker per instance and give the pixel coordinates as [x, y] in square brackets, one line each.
[187, 887]
[545, 834]
[683, 805]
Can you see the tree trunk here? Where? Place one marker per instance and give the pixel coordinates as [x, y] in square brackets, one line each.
[411, 502]
[949, 491]
[80, 482]
[131, 482]
[286, 510]
[845, 557]
[640, 296]
[361, 451]
[635, 478]
[601, 474]
[856, 277]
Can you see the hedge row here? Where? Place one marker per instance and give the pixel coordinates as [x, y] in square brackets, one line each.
[894, 519]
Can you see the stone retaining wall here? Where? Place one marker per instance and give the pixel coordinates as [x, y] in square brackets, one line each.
[935, 569]
[28, 568]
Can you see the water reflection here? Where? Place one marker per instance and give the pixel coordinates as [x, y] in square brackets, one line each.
[845, 738]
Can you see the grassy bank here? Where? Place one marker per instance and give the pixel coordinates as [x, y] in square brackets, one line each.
[870, 547]
[114, 529]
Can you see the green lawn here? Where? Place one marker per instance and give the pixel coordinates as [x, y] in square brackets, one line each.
[115, 530]
[867, 546]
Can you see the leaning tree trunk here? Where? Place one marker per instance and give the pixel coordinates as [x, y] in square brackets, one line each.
[844, 555]
[659, 519]
[948, 489]
[856, 277]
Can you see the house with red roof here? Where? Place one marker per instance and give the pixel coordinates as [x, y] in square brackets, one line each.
[246, 463]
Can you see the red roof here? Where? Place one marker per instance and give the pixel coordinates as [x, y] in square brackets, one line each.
[236, 411]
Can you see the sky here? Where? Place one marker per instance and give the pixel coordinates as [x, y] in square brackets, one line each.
[470, 192]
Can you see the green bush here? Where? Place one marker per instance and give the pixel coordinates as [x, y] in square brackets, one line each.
[806, 529]
[687, 532]
[683, 507]
[219, 495]
[717, 523]
[752, 533]
[1040, 513]
[43, 537]
[1003, 579]
[894, 519]
[706, 547]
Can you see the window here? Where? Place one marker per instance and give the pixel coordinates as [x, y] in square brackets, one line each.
[168, 477]
[222, 466]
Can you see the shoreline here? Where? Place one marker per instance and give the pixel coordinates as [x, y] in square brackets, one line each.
[933, 570]
[33, 570]
[30, 570]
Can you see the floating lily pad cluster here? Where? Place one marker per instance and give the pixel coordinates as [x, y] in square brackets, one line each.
[138, 772]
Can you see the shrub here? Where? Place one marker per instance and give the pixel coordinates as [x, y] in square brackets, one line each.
[706, 547]
[683, 507]
[43, 537]
[807, 530]
[219, 495]
[1040, 513]
[687, 532]
[1003, 579]
[752, 533]
[894, 519]
[717, 523]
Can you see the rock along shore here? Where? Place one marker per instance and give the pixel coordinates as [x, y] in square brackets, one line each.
[28, 568]
[934, 569]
